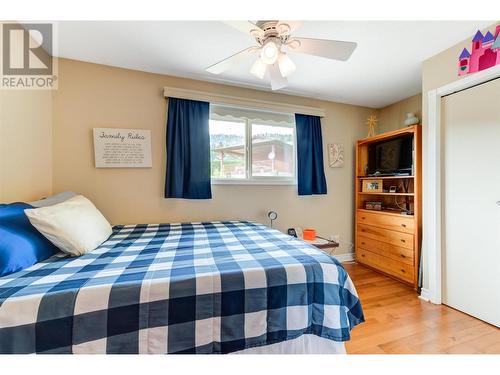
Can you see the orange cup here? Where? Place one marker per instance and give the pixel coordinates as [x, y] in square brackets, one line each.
[309, 234]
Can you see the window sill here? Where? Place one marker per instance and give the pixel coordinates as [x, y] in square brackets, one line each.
[253, 182]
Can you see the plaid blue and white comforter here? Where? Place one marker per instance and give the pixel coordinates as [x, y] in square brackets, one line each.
[214, 287]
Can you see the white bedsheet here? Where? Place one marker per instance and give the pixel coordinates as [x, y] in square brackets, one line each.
[305, 344]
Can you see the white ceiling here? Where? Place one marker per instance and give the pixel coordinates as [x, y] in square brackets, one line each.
[385, 68]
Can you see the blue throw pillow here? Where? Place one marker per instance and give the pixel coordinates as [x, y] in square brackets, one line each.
[21, 245]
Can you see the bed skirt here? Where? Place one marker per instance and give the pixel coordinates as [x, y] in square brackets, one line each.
[305, 344]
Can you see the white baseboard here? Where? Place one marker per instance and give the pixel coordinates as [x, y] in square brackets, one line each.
[424, 295]
[348, 257]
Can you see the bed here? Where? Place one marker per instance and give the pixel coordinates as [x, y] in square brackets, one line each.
[214, 287]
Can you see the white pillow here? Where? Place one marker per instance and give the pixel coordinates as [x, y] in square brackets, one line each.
[75, 226]
[53, 199]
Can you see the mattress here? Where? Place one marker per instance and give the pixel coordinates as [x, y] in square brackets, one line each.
[214, 287]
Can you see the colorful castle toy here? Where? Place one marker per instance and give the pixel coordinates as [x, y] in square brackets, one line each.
[485, 53]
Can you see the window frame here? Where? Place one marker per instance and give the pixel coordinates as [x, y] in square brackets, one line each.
[257, 180]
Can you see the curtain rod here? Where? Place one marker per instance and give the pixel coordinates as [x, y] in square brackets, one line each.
[221, 99]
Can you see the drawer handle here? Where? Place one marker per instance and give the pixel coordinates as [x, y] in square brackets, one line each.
[362, 243]
[362, 230]
[362, 217]
[402, 270]
[404, 241]
[403, 256]
[403, 225]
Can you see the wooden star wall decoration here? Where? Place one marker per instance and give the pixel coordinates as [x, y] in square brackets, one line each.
[372, 123]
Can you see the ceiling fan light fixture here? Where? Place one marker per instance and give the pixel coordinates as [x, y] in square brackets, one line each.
[259, 68]
[286, 65]
[269, 53]
[273, 36]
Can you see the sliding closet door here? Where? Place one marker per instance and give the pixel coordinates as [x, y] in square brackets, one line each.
[471, 258]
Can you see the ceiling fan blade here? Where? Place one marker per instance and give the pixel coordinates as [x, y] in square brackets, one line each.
[227, 63]
[288, 27]
[330, 49]
[246, 27]
[277, 80]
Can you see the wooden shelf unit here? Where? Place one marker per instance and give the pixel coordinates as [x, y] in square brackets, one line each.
[383, 177]
[386, 212]
[395, 194]
[389, 241]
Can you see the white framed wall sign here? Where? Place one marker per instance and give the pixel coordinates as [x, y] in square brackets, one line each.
[122, 148]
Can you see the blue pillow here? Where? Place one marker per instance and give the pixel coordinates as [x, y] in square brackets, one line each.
[21, 245]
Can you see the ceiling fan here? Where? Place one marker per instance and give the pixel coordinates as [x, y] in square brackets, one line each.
[274, 39]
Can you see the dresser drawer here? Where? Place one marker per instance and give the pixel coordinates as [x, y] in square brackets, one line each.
[392, 267]
[394, 238]
[386, 249]
[392, 222]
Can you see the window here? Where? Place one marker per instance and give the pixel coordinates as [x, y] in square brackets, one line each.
[250, 146]
[227, 149]
[272, 151]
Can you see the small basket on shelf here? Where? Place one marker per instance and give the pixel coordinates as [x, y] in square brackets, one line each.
[375, 206]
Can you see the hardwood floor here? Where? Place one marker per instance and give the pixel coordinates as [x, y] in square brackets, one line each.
[398, 322]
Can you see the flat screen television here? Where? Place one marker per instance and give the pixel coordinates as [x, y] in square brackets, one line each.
[391, 157]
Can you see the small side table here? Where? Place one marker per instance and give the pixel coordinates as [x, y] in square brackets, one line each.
[324, 245]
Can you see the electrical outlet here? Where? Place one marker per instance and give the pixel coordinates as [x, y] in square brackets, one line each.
[335, 237]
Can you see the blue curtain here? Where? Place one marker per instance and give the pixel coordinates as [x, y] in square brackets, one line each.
[310, 172]
[188, 150]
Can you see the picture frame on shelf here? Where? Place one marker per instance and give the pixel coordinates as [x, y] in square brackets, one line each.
[372, 185]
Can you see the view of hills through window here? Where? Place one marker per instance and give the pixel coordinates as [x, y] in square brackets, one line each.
[272, 150]
[227, 149]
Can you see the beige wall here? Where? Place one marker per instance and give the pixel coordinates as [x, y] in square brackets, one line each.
[25, 144]
[393, 116]
[91, 95]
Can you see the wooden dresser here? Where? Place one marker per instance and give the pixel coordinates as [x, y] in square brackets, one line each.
[388, 240]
